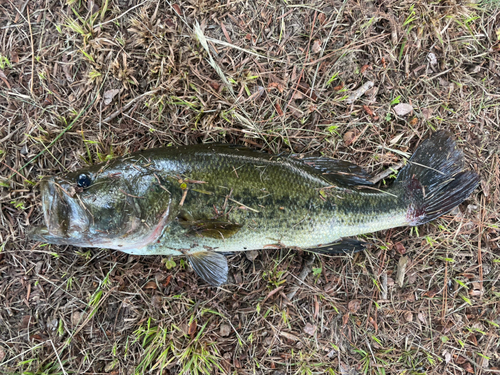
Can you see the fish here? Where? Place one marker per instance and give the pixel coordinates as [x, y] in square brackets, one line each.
[204, 201]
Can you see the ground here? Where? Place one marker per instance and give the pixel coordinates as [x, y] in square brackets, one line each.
[83, 81]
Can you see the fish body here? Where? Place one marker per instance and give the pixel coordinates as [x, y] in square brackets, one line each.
[204, 200]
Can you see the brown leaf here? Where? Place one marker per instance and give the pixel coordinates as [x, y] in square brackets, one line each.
[316, 47]
[109, 95]
[150, 285]
[167, 280]
[364, 68]
[349, 137]
[3, 77]
[339, 87]
[401, 272]
[414, 121]
[192, 329]
[289, 336]
[276, 85]
[459, 360]
[431, 293]
[278, 109]
[354, 305]
[225, 330]
[2, 354]
[468, 367]
[373, 322]
[322, 18]
[402, 109]
[400, 248]
[473, 339]
[310, 329]
[177, 9]
[408, 316]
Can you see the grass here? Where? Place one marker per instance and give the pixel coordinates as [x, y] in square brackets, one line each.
[252, 75]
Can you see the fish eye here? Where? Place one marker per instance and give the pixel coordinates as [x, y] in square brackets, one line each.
[83, 181]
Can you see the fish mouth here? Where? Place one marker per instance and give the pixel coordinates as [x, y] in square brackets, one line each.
[65, 220]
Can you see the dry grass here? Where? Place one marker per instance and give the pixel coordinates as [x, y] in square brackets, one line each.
[275, 76]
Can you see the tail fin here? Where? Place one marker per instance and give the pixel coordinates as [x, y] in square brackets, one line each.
[434, 180]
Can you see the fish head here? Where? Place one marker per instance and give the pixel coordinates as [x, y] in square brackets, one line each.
[117, 208]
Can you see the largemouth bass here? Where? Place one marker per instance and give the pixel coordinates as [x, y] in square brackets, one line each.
[204, 200]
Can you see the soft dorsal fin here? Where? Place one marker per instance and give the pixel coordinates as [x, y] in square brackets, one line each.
[340, 172]
[210, 266]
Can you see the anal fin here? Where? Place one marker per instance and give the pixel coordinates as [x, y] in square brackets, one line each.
[210, 266]
[342, 246]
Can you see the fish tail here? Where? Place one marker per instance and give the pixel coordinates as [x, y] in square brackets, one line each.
[434, 180]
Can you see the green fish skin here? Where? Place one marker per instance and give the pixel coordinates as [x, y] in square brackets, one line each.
[204, 200]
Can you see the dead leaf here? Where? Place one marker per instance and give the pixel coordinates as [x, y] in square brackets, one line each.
[225, 330]
[316, 48]
[251, 255]
[150, 285]
[76, 318]
[400, 248]
[400, 274]
[276, 85]
[408, 316]
[177, 9]
[432, 59]
[431, 293]
[402, 109]
[421, 317]
[192, 329]
[310, 329]
[459, 360]
[468, 367]
[289, 336]
[3, 77]
[447, 356]
[359, 92]
[322, 18]
[109, 95]
[167, 281]
[2, 354]
[365, 67]
[373, 322]
[278, 109]
[354, 305]
[339, 87]
[350, 137]
[427, 112]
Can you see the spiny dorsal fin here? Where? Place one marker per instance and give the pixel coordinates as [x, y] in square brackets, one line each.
[340, 172]
[210, 266]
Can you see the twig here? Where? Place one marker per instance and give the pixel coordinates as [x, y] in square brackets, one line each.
[386, 173]
[129, 104]
[302, 276]
[32, 52]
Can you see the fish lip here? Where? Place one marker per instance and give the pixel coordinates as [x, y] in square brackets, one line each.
[65, 220]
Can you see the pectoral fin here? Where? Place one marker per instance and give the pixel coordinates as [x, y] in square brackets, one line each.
[213, 228]
[210, 266]
[342, 246]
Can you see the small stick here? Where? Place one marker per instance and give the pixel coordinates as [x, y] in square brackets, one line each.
[387, 172]
[129, 104]
[302, 276]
